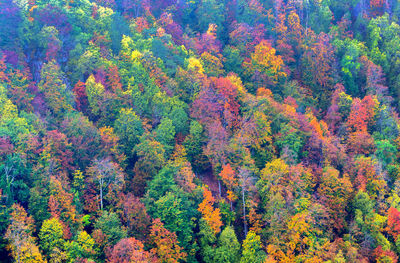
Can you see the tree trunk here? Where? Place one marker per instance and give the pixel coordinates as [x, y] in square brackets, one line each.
[219, 189]
[244, 214]
[101, 195]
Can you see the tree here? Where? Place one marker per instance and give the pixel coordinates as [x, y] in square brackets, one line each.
[252, 250]
[179, 119]
[135, 217]
[185, 176]
[82, 247]
[129, 128]
[362, 114]
[393, 224]
[165, 134]
[151, 158]
[385, 151]
[95, 95]
[194, 146]
[318, 71]
[130, 250]
[165, 200]
[265, 66]
[110, 226]
[378, 7]
[61, 206]
[57, 152]
[51, 236]
[83, 137]
[19, 85]
[12, 181]
[110, 145]
[212, 65]
[166, 245]
[229, 178]
[210, 11]
[335, 192]
[107, 177]
[49, 40]
[246, 180]
[211, 216]
[81, 99]
[57, 97]
[19, 234]
[228, 247]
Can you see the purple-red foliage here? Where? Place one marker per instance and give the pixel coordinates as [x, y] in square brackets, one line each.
[54, 16]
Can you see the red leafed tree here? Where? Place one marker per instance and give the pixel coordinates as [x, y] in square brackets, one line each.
[206, 107]
[113, 80]
[3, 68]
[210, 214]
[53, 15]
[217, 147]
[208, 41]
[362, 113]
[241, 34]
[6, 147]
[382, 255]
[228, 92]
[53, 47]
[375, 80]
[333, 116]
[130, 250]
[320, 60]
[393, 224]
[135, 216]
[378, 7]
[166, 243]
[360, 142]
[57, 150]
[81, 99]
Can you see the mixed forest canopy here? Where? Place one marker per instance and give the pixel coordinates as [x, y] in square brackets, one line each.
[222, 131]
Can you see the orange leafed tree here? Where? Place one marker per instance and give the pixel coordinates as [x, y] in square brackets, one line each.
[362, 114]
[335, 192]
[229, 178]
[211, 215]
[61, 206]
[166, 243]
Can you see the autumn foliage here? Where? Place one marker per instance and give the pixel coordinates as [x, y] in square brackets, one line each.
[199, 131]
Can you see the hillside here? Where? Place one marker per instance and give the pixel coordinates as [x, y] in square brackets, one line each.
[216, 131]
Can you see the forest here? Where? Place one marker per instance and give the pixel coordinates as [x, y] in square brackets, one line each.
[221, 131]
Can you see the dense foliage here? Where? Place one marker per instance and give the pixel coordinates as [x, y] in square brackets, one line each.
[199, 131]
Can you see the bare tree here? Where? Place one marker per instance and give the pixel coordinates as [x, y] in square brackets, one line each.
[246, 179]
[107, 175]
